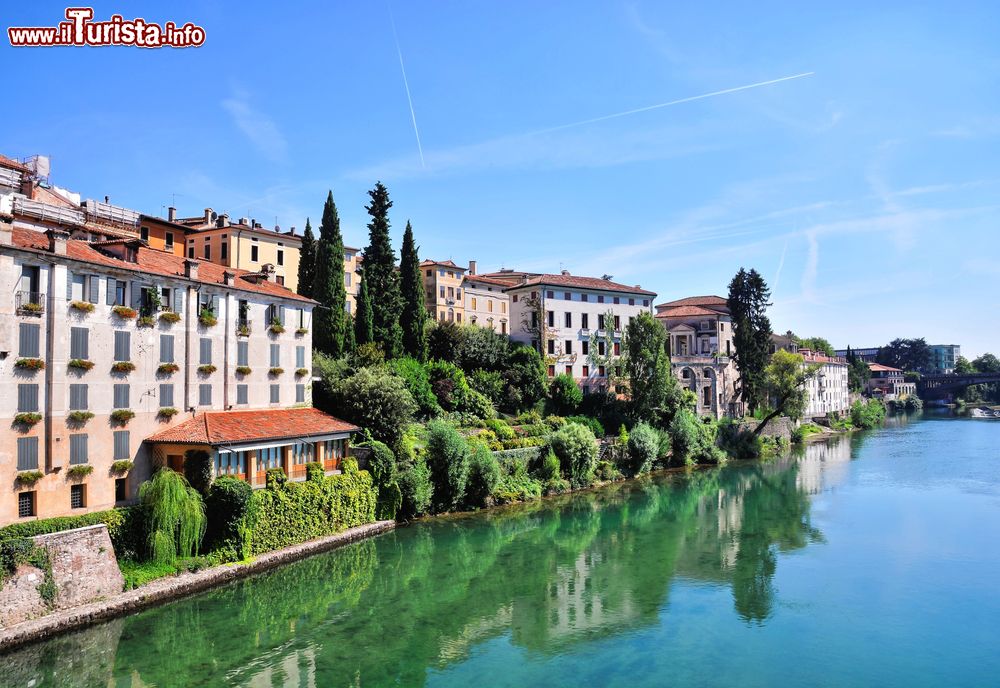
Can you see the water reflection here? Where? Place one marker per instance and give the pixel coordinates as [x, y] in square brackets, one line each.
[549, 577]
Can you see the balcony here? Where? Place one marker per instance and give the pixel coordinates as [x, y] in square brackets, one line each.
[243, 328]
[29, 303]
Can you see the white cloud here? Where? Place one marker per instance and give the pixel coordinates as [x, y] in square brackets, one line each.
[256, 126]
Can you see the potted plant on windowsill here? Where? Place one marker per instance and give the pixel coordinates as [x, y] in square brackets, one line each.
[81, 470]
[167, 412]
[122, 415]
[28, 419]
[275, 372]
[122, 367]
[277, 327]
[32, 308]
[82, 306]
[167, 369]
[206, 369]
[207, 317]
[302, 331]
[79, 417]
[80, 364]
[29, 364]
[124, 312]
[170, 317]
[301, 372]
[29, 478]
[145, 321]
[243, 370]
[121, 466]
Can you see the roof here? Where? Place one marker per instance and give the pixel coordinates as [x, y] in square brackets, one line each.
[486, 280]
[446, 263]
[198, 226]
[595, 283]
[12, 164]
[152, 262]
[879, 368]
[231, 427]
[695, 301]
[685, 312]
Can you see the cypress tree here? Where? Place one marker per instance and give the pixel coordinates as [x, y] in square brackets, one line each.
[411, 287]
[363, 319]
[748, 301]
[328, 284]
[380, 273]
[307, 262]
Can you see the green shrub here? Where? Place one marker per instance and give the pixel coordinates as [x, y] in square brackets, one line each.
[449, 385]
[524, 377]
[803, 431]
[607, 471]
[549, 467]
[382, 466]
[124, 527]
[516, 483]
[315, 471]
[533, 430]
[139, 573]
[693, 440]
[229, 508]
[605, 407]
[296, 512]
[484, 476]
[448, 460]
[576, 448]
[478, 405]
[869, 414]
[501, 429]
[480, 348]
[416, 488]
[663, 444]
[175, 516]
[564, 394]
[643, 447]
[198, 470]
[413, 373]
[376, 400]
[489, 383]
[592, 423]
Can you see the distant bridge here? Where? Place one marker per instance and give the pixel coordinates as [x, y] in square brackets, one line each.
[946, 383]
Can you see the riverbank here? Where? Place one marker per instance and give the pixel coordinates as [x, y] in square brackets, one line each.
[171, 588]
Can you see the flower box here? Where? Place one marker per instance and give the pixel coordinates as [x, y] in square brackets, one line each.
[122, 367]
[32, 308]
[145, 321]
[302, 331]
[124, 312]
[167, 412]
[121, 466]
[243, 370]
[207, 318]
[79, 417]
[122, 415]
[29, 363]
[167, 368]
[80, 470]
[301, 371]
[80, 364]
[277, 327]
[275, 372]
[207, 369]
[170, 317]
[29, 477]
[82, 306]
[28, 419]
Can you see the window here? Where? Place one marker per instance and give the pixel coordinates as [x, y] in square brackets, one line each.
[569, 346]
[585, 321]
[707, 394]
[600, 371]
[569, 370]
[205, 350]
[276, 355]
[568, 319]
[224, 251]
[514, 298]
[121, 396]
[631, 302]
[281, 257]
[618, 322]
[205, 395]
[27, 453]
[302, 453]
[166, 348]
[552, 371]
[78, 397]
[585, 297]
[617, 300]
[568, 296]
[121, 491]
[618, 348]
[243, 353]
[503, 306]
[191, 252]
[548, 295]
[144, 233]
[645, 303]
[552, 346]
[300, 357]
[25, 504]
[27, 398]
[458, 317]
[300, 394]
[586, 371]
[166, 395]
[78, 449]
[441, 292]
[550, 318]
[275, 394]
[123, 345]
[585, 345]
[254, 252]
[473, 303]
[600, 348]
[169, 241]
[208, 252]
[230, 463]
[121, 445]
[269, 457]
[347, 279]
[28, 340]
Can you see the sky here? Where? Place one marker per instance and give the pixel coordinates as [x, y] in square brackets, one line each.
[866, 190]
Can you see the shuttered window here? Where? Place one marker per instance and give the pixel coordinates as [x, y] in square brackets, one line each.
[300, 394]
[78, 448]
[205, 395]
[122, 450]
[78, 400]
[121, 396]
[178, 300]
[275, 355]
[79, 343]
[275, 394]
[28, 340]
[166, 348]
[27, 453]
[206, 351]
[123, 345]
[300, 357]
[166, 395]
[94, 289]
[242, 394]
[27, 398]
[242, 353]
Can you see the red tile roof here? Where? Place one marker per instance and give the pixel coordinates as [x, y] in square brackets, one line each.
[230, 427]
[694, 301]
[595, 283]
[685, 312]
[879, 368]
[152, 262]
[446, 263]
[12, 164]
[486, 280]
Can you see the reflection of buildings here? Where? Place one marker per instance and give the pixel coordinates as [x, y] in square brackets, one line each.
[824, 465]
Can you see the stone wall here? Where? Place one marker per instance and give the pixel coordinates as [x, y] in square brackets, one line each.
[84, 569]
[779, 427]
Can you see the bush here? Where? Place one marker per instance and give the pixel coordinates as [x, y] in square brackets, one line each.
[484, 476]
[549, 467]
[481, 348]
[413, 373]
[489, 383]
[694, 441]
[315, 471]
[592, 423]
[478, 405]
[449, 385]
[515, 483]
[643, 448]
[275, 478]
[296, 512]
[501, 429]
[444, 340]
[869, 414]
[803, 431]
[564, 394]
[175, 516]
[382, 466]
[448, 460]
[576, 448]
[377, 401]
[524, 376]
[231, 518]
[606, 408]
[198, 470]
[124, 527]
[367, 355]
[416, 488]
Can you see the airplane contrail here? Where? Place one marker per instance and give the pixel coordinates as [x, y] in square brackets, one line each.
[667, 104]
[406, 85]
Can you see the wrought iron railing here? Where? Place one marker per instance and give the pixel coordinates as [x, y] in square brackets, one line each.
[30, 302]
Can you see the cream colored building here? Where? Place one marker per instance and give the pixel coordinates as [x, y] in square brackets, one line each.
[443, 290]
[486, 302]
[352, 277]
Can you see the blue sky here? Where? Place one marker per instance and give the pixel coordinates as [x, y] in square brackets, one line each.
[867, 193]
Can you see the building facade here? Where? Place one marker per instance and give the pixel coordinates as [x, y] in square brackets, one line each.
[944, 357]
[486, 302]
[700, 335]
[829, 389]
[868, 354]
[352, 278]
[108, 343]
[889, 383]
[558, 314]
[443, 290]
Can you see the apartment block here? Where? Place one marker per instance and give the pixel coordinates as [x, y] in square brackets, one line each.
[352, 277]
[828, 390]
[944, 358]
[443, 290]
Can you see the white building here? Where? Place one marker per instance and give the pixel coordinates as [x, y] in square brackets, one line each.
[828, 388]
[572, 309]
[486, 303]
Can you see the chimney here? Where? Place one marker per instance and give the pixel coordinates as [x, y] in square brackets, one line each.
[292, 231]
[223, 220]
[172, 214]
[472, 267]
[57, 241]
[191, 269]
[565, 273]
[208, 216]
[267, 270]
[228, 278]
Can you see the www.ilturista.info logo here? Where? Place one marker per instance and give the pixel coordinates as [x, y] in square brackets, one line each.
[81, 30]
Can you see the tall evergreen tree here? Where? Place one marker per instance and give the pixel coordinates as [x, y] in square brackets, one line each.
[363, 318]
[307, 262]
[349, 325]
[411, 287]
[380, 272]
[748, 302]
[328, 284]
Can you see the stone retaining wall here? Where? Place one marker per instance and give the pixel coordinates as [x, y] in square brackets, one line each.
[779, 427]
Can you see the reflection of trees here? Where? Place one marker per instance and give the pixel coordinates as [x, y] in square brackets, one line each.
[550, 575]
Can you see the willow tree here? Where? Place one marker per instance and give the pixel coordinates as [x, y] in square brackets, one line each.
[175, 516]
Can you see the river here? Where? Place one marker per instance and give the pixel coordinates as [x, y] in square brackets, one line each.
[868, 560]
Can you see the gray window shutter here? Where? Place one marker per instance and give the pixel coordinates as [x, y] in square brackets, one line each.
[123, 345]
[300, 394]
[300, 357]
[78, 397]
[29, 334]
[242, 353]
[95, 288]
[27, 453]
[275, 355]
[206, 351]
[136, 295]
[178, 299]
[166, 348]
[166, 395]
[79, 343]
[242, 396]
[121, 396]
[215, 304]
[122, 445]
[204, 395]
[27, 398]
[69, 285]
[275, 394]
[281, 314]
[78, 449]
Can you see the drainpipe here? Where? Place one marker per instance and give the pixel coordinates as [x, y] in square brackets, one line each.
[50, 326]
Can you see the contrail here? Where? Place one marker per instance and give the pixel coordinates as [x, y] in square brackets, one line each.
[781, 264]
[667, 104]
[406, 85]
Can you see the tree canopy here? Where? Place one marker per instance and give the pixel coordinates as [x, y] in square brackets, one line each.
[379, 269]
[330, 319]
[414, 314]
[906, 354]
[748, 302]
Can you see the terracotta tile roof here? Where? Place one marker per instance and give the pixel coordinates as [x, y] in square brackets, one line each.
[694, 301]
[685, 312]
[446, 263]
[487, 280]
[879, 368]
[574, 281]
[152, 262]
[12, 164]
[230, 427]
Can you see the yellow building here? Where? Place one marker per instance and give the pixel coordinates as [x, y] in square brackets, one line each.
[244, 244]
[443, 292]
[352, 278]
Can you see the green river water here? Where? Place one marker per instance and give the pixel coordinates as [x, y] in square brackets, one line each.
[868, 560]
